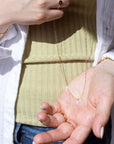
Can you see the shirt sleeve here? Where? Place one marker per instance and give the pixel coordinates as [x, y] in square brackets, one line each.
[105, 30]
[5, 51]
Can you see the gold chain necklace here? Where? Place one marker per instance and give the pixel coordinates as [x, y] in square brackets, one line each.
[78, 98]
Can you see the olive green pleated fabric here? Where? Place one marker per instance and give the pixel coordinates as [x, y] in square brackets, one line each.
[41, 77]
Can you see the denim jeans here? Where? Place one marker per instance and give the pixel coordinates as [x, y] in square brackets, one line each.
[23, 134]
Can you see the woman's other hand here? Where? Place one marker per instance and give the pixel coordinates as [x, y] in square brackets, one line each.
[92, 113]
[30, 12]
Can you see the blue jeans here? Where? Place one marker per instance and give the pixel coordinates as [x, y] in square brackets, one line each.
[23, 134]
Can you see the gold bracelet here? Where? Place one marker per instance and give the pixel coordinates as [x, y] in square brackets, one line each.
[2, 34]
[105, 58]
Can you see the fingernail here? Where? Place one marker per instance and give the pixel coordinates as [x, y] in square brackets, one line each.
[37, 118]
[102, 132]
[42, 108]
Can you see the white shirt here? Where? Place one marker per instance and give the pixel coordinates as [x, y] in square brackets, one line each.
[11, 52]
[105, 30]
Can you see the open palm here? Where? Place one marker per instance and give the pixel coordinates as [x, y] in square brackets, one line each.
[74, 122]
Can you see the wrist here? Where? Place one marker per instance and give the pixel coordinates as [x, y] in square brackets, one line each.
[4, 28]
[107, 65]
[5, 22]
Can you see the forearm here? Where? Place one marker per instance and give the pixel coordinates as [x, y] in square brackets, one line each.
[6, 14]
[5, 18]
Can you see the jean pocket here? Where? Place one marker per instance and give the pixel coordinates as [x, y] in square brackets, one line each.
[17, 133]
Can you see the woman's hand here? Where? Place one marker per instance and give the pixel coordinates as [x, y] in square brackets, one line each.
[92, 112]
[29, 12]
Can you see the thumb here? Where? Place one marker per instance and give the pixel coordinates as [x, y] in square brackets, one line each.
[103, 110]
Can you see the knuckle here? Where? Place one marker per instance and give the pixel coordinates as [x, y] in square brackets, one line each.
[76, 140]
[42, 3]
[67, 3]
[40, 17]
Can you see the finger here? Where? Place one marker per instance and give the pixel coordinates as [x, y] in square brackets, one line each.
[48, 15]
[51, 109]
[55, 3]
[47, 108]
[51, 121]
[79, 135]
[61, 133]
[54, 14]
[101, 117]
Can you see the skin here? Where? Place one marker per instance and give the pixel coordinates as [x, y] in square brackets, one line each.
[29, 12]
[92, 113]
